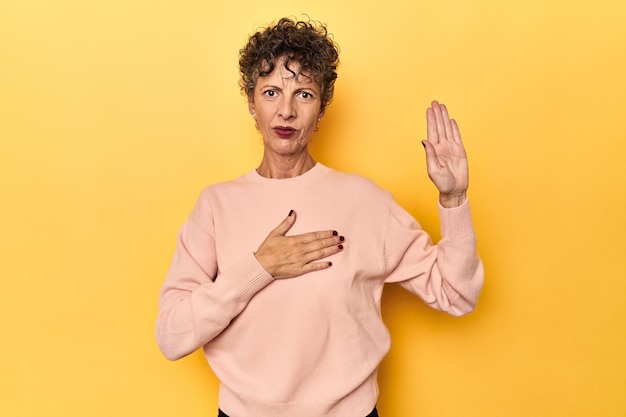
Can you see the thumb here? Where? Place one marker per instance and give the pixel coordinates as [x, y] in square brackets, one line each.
[285, 225]
[431, 154]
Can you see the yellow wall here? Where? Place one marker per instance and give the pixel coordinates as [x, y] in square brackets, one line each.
[114, 114]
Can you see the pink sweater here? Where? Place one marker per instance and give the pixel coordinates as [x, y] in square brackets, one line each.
[307, 346]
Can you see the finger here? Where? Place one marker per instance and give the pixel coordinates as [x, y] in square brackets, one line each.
[315, 266]
[446, 121]
[431, 126]
[302, 269]
[323, 244]
[432, 161]
[308, 262]
[456, 132]
[321, 253]
[285, 225]
[311, 237]
[441, 128]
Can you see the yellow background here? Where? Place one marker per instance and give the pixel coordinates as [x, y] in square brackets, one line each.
[114, 114]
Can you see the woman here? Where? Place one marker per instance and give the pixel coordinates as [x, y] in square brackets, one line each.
[278, 274]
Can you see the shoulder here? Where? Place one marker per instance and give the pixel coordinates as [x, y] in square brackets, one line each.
[223, 188]
[213, 198]
[356, 184]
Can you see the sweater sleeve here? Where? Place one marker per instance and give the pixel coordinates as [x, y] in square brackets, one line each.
[448, 276]
[196, 302]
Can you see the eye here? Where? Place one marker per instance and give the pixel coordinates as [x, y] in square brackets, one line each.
[270, 93]
[306, 95]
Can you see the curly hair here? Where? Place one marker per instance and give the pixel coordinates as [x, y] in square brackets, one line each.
[306, 43]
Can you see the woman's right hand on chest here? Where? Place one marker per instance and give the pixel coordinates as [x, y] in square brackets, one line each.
[291, 256]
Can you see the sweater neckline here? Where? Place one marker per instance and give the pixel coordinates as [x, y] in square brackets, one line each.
[312, 174]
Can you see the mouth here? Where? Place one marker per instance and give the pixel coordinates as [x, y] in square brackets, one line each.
[284, 132]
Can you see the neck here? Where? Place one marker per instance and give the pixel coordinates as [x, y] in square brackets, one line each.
[285, 167]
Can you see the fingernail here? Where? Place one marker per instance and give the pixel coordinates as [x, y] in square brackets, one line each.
[290, 212]
[340, 247]
[341, 238]
[334, 233]
[330, 264]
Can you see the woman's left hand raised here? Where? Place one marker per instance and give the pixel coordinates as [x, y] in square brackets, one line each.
[446, 160]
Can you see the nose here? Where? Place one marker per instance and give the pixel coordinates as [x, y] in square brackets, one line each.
[287, 109]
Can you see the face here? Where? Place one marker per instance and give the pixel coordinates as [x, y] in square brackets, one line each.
[286, 108]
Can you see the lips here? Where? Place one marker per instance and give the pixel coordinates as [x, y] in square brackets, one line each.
[284, 131]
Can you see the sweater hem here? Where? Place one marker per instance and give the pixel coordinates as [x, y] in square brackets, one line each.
[357, 403]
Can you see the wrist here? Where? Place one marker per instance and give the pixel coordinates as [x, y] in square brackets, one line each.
[452, 200]
[262, 262]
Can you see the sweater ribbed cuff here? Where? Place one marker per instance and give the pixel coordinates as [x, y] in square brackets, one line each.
[253, 277]
[456, 222]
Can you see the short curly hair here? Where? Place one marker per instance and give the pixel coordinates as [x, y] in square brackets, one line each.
[305, 42]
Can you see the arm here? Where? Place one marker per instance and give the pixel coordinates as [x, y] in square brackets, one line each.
[196, 304]
[447, 276]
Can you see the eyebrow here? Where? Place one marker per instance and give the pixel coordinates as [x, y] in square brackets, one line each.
[276, 87]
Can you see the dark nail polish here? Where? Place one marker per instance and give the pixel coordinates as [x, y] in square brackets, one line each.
[334, 233]
[340, 246]
[341, 238]
[290, 212]
[330, 264]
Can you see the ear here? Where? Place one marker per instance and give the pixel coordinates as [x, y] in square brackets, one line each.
[251, 106]
[321, 114]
